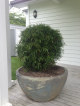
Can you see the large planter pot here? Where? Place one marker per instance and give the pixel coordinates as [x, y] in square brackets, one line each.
[42, 89]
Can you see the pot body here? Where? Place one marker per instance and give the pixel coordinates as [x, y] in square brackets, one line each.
[42, 89]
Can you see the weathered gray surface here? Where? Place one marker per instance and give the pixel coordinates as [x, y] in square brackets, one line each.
[70, 95]
[42, 89]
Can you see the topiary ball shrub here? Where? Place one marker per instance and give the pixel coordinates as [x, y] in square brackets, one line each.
[40, 47]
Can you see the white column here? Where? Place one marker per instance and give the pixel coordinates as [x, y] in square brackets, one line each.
[4, 56]
[8, 47]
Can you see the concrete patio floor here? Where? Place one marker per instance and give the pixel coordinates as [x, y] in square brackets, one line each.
[70, 95]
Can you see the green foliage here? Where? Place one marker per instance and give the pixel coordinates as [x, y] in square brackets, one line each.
[40, 46]
[17, 19]
[15, 64]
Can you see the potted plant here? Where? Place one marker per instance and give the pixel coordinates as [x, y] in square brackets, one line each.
[39, 48]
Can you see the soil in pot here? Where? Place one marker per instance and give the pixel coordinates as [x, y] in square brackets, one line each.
[52, 71]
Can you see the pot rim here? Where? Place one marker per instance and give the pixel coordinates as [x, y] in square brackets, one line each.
[58, 76]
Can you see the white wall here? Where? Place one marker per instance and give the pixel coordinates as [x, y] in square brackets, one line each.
[15, 32]
[65, 17]
[13, 42]
[18, 32]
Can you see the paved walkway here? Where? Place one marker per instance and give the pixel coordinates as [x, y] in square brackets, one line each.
[70, 95]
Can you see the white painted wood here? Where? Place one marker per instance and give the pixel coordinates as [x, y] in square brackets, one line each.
[18, 33]
[64, 16]
[15, 32]
[27, 17]
[21, 28]
[57, 1]
[13, 42]
[4, 52]
[10, 83]
[24, 4]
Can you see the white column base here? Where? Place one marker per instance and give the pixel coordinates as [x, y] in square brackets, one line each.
[7, 104]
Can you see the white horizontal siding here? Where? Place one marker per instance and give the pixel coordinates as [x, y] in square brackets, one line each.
[65, 17]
